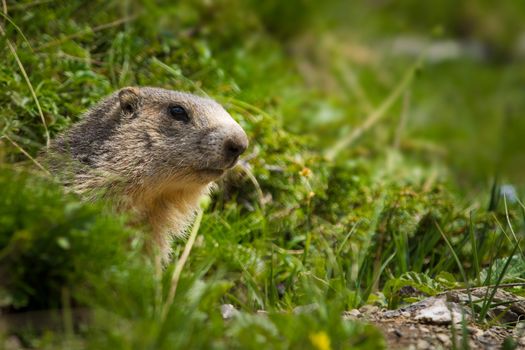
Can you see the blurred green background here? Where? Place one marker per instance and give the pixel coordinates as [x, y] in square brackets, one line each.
[373, 125]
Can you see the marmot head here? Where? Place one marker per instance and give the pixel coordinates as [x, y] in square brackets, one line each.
[178, 135]
[154, 150]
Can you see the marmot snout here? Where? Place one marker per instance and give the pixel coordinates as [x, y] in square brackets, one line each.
[153, 151]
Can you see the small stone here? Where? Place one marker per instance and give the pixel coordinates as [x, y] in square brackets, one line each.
[521, 341]
[305, 309]
[398, 333]
[354, 312]
[438, 312]
[391, 313]
[475, 331]
[369, 309]
[505, 315]
[351, 315]
[228, 311]
[422, 344]
[445, 339]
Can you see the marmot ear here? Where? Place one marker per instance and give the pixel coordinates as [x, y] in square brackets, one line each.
[129, 99]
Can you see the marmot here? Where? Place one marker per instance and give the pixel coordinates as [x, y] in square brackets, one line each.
[152, 151]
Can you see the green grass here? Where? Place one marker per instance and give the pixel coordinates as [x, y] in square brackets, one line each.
[367, 172]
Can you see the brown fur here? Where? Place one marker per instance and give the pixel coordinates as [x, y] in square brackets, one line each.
[129, 148]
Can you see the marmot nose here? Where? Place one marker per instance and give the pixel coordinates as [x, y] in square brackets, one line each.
[235, 146]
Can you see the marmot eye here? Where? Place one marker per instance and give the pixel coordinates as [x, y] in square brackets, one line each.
[179, 113]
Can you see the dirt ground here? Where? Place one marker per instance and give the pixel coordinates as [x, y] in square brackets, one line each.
[439, 323]
[403, 333]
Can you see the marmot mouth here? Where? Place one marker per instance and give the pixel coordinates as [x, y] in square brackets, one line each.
[218, 172]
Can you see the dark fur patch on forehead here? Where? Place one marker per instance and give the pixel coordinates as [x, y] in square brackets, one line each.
[168, 96]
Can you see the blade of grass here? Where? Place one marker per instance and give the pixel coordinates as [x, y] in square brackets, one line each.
[494, 196]
[521, 203]
[178, 75]
[458, 262]
[488, 301]
[464, 332]
[8, 19]
[453, 332]
[376, 115]
[253, 286]
[272, 295]
[366, 255]
[253, 180]
[505, 232]
[474, 248]
[509, 224]
[350, 85]
[180, 265]
[245, 106]
[501, 227]
[496, 320]
[28, 82]
[26, 154]
[348, 235]
[402, 120]
[522, 210]
[158, 282]
[488, 279]
[375, 280]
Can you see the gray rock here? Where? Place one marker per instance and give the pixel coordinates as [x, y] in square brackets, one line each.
[304, 309]
[228, 311]
[351, 315]
[439, 312]
[422, 344]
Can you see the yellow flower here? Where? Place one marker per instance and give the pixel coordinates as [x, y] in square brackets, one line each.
[320, 340]
[305, 172]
